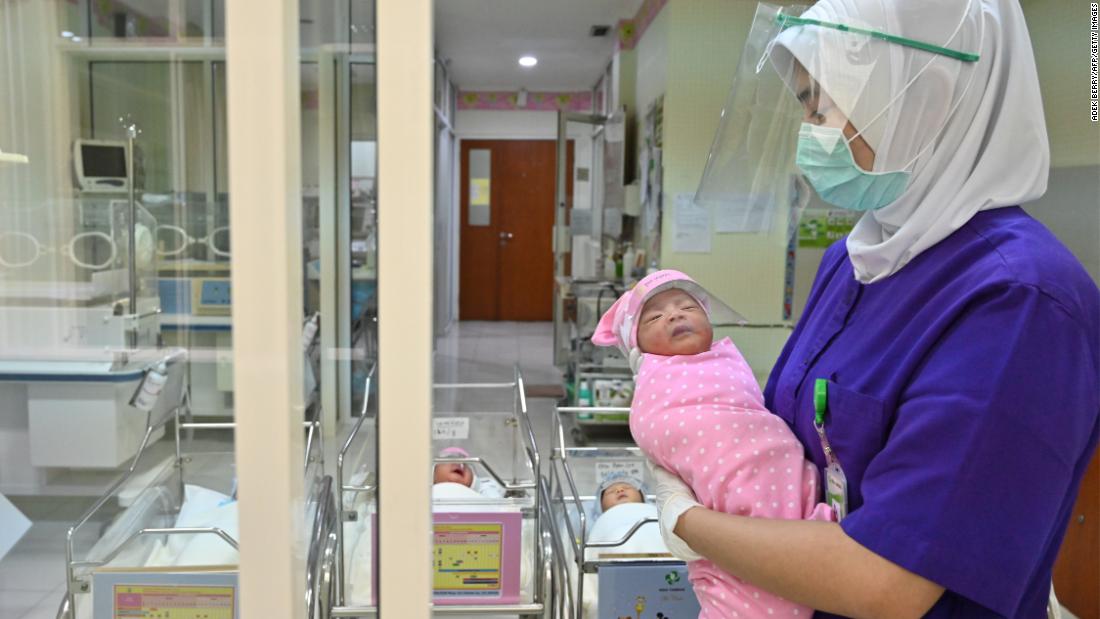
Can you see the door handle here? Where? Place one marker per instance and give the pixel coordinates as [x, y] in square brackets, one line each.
[506, 236]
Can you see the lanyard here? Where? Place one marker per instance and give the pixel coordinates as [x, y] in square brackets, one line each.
[836, 485]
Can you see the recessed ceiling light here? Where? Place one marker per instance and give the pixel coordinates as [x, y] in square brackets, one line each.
[528, 61]
[66, 34]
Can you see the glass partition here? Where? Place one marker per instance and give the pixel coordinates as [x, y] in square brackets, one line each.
[116, 289]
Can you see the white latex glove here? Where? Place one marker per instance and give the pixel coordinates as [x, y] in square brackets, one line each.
[674, 497]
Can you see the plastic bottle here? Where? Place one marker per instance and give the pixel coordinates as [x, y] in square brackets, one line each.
[629, 258]
[149, 390]
[584, 395]
[584, 398]
[608, 268]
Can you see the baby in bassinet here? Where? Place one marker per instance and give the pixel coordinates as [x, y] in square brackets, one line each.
[619, 488]
[621, 504]
[698, 412]
[457, 480]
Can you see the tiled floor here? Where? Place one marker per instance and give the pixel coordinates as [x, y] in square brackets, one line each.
[487, 351]
[32, 575]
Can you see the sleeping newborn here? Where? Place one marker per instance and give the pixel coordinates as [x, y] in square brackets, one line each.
[621, 504]
[698, 412]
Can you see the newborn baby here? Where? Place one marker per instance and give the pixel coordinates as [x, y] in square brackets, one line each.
[454, 484]
[698, 412]
[621, 504]
[618, 489]
[456, 480]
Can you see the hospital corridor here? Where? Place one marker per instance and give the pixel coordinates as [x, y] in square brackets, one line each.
[581, 309]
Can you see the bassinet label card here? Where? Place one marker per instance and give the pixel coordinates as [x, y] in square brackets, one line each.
[164, 593]
[451, 428]
[606, 468]
[467, 558]
[158, 602]
[476, 557]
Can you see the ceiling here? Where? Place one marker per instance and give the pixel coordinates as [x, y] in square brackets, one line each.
[483, 39]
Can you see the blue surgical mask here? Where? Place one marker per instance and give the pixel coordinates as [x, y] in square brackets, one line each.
[825, 157]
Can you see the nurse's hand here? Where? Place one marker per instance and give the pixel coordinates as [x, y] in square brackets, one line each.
[674, 497]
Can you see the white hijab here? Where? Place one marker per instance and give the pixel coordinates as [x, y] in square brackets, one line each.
[975, 148]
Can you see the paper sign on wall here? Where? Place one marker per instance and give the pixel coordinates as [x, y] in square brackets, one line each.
[479, 191]
[691, 226]
[453, 428]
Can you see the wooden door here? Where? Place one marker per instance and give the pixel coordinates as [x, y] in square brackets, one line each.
[506, 253]
[1077, 571]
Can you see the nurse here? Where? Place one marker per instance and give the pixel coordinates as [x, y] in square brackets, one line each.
[950, 346]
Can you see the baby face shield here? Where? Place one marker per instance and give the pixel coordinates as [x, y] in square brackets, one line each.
[851, 95]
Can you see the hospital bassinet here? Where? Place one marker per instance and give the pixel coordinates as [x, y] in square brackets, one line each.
[633, 553]
[183, 523]
[490, 422]
[179, 523]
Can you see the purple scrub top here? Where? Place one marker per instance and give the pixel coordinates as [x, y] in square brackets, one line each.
[964, 399]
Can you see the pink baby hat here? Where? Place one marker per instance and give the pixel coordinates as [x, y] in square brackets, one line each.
[455, 452]
[619, 325]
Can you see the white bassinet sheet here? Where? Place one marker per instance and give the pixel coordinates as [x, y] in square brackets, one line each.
[611, 526]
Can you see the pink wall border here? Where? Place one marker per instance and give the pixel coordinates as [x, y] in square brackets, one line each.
[630, 31]
[536, 101]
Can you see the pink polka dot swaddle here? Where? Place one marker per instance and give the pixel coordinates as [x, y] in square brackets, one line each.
[702, 417]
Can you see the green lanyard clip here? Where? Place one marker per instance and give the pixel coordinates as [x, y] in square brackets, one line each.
[821, 401]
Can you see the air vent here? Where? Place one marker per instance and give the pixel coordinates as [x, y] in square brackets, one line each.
[599, 31]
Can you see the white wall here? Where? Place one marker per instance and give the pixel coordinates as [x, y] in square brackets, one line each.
[1060, 38]
[503, 124]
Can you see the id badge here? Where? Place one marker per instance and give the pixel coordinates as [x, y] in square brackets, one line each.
[836, 490]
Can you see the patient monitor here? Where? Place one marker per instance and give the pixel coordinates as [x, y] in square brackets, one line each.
[101, 166]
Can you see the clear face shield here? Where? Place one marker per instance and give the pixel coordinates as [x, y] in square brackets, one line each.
[847, 105]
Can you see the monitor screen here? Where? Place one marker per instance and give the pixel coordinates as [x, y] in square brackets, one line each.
[103, 161]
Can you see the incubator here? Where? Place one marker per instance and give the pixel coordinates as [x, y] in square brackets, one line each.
[79, 323]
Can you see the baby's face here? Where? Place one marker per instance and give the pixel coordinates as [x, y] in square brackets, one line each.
[673, 323]
[620, 492]
[458, 473]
